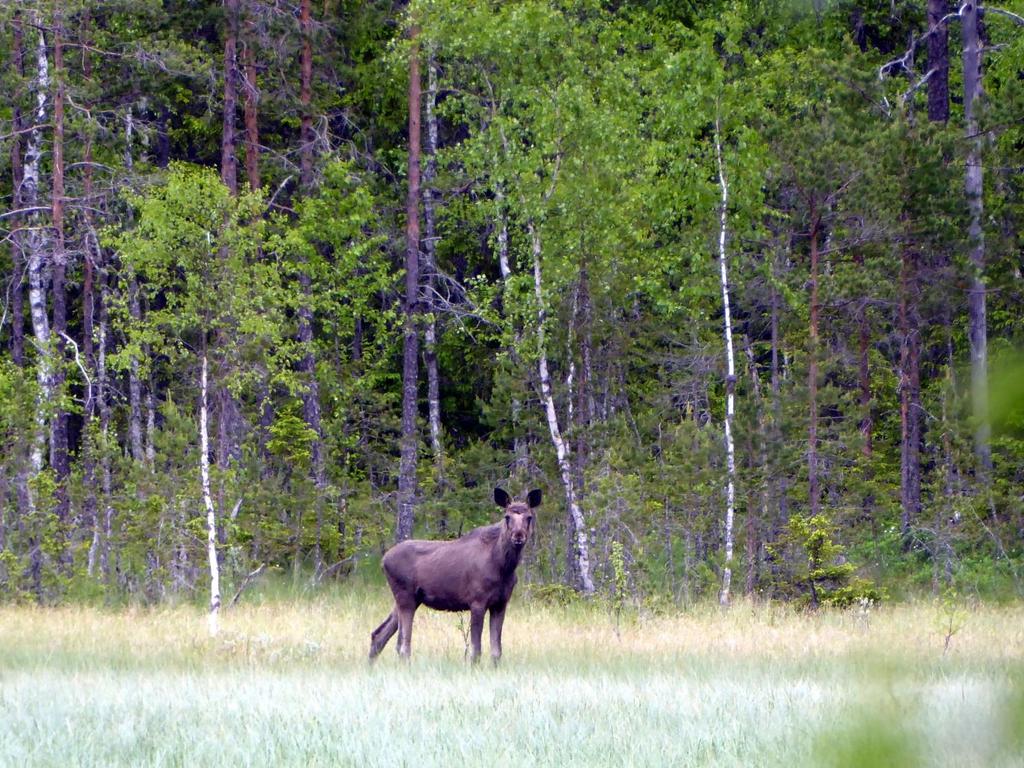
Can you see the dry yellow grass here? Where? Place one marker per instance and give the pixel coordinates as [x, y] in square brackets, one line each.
[337, 631]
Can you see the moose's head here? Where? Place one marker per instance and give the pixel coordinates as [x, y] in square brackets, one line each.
[519, 517]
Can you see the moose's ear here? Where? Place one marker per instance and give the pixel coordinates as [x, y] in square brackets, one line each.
[501, 498]
[533, 498]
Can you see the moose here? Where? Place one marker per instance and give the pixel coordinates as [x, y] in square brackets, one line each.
[474, 573]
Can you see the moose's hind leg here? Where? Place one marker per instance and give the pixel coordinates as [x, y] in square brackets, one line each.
[380, 636]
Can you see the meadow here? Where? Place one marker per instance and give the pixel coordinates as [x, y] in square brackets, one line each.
[286, 682]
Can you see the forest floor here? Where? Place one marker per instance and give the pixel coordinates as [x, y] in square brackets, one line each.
[287, 683]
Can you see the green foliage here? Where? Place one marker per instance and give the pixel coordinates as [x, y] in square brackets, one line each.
[812, 568]
[593, 126]
[290, 437]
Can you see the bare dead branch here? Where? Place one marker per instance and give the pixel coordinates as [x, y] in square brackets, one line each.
[250, 577]
[85, 373]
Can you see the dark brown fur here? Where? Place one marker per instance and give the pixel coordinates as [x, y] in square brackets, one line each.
[475, 573]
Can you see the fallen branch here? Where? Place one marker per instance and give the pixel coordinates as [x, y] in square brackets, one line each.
[246, 582]
[332, 568]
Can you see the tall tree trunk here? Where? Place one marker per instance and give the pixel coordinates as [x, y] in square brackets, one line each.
[211, 517]
[814, 500]
[135, 381]
[59, 422]
[227, 405]
[584, 399]
[17, 179]
[410, 350]
[519, 444]
[430, 284]
[90, 259]
[754, 527]
[307, 365]
[250, 108]
[780, 483]
[228, 141]
[910, 395]
[730, 379]
[18, 244]
[864, 370]
[561, 449]
[864, 385]
[938, 62]
[973, 187]
[36, 244]
[103, 533]
[306, 98]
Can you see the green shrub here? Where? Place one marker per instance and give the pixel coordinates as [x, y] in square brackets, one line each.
[811, 567]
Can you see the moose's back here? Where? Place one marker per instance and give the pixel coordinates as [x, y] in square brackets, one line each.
[445, 575]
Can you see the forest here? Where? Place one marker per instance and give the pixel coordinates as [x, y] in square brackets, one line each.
[737, 283]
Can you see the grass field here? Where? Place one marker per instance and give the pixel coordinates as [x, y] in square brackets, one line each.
[287, 683]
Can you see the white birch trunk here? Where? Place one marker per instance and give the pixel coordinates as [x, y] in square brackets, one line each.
[730, 381]
[211, 519]
[36, 262]
[561, 449]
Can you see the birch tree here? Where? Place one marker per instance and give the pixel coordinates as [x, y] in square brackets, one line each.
[730, 379]
[213, 617]
[192, 234]
[561, 447]
[36, 244]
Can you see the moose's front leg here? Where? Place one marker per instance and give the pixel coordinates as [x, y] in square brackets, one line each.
[497, 619]
[476, 628]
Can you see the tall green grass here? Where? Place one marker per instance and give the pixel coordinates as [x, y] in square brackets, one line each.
[288, 684]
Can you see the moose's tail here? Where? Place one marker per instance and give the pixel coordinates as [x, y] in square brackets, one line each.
[380, 636]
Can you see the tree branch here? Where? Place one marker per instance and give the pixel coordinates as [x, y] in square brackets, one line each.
[245, 583]
[1018, 20]
[85, 374]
